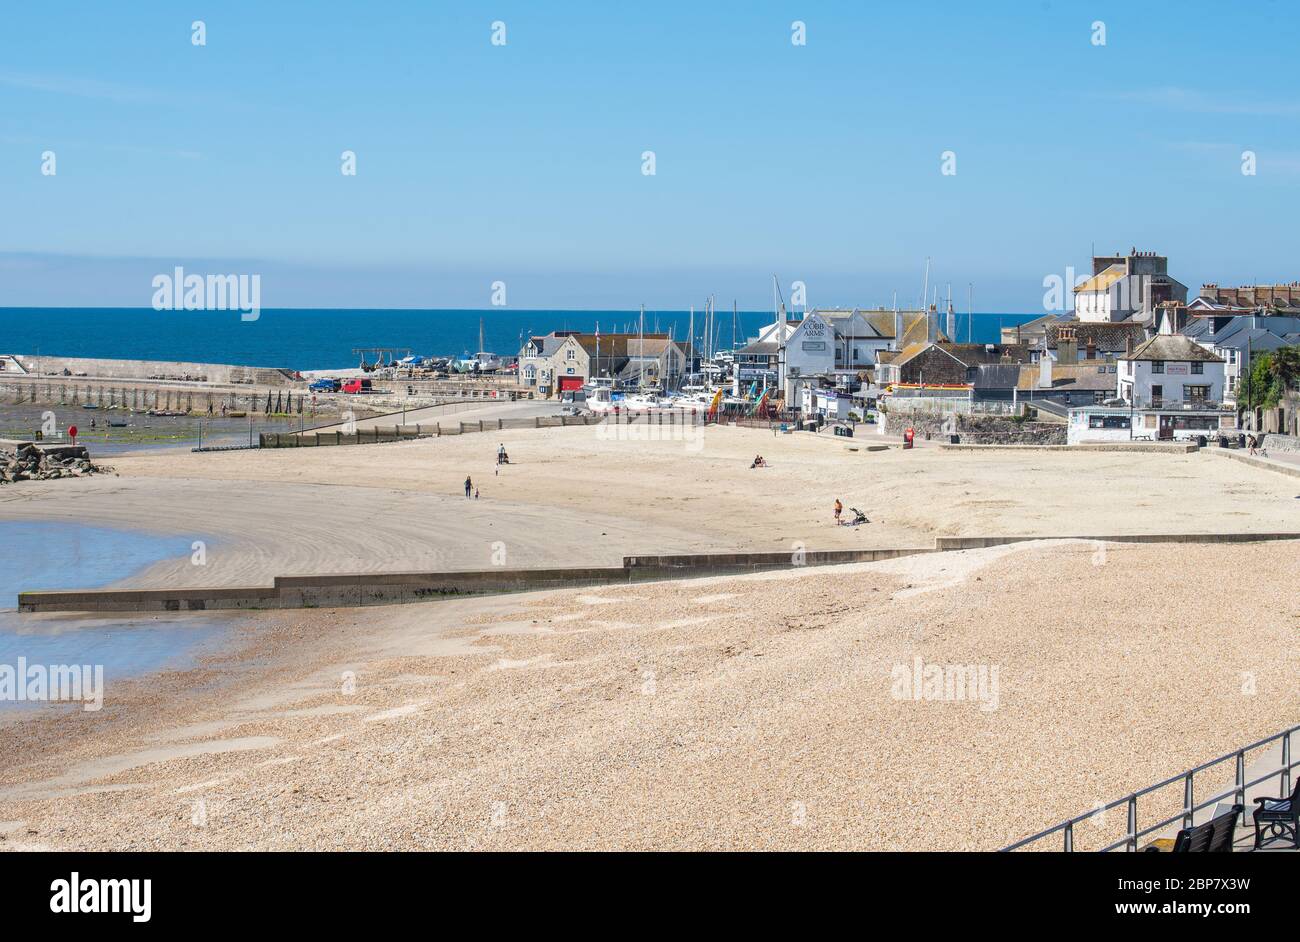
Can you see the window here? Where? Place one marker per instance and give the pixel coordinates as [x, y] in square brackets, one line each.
[1099, 396]
[1198, 368]
[1196, 393]
[1107, 421]
[1194, 422]
[571, 354]
[1158, 366]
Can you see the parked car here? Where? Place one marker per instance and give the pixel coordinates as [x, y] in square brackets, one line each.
[356, 386]
[325, 385]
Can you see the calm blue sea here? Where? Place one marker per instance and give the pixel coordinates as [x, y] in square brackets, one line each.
[304, 339]
[59, 555]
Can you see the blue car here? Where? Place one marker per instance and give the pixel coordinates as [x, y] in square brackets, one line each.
[325, 385]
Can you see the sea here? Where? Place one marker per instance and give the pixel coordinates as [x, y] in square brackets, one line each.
[322, 339]
[64, 555]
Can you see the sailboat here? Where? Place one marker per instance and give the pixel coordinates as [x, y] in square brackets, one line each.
[486, 361]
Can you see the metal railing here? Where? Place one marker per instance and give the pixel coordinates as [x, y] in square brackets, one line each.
[1190, 805]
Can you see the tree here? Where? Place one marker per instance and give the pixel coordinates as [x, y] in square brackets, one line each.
[1271, 375]
[1284, 364]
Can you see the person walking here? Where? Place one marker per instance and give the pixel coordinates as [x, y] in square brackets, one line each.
[839, 509]
[501, 452]
[469, 486]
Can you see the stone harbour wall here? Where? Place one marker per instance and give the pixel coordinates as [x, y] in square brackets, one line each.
[980, 429]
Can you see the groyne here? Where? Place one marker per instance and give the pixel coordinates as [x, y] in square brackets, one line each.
[377, 588]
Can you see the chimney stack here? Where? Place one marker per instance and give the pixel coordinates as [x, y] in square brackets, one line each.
[1092, 349]
[1067, 346]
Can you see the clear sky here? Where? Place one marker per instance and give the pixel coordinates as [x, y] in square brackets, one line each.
[523, 163]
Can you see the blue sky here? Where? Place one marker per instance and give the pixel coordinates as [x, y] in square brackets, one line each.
[522, 163]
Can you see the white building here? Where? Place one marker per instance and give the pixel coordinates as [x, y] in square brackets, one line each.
[1099, 423]
[1169, 370]
[1126, 286]
[834, 404]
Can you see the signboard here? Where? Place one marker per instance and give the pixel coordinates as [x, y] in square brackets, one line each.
[814, 345]
[1177, 369]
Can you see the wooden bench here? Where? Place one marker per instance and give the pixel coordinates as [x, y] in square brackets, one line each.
[1278, 818]
[1212, 837]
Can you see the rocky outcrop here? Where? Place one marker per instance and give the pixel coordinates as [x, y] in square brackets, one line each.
[29, 463]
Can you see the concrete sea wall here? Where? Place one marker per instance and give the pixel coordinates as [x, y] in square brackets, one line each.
[176, 370]
[358, 589]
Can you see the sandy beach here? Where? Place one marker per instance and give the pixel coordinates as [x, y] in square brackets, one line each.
[740, 712]
[750, 712]
[585, 496]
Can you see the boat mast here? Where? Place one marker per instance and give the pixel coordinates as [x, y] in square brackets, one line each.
[690, 342]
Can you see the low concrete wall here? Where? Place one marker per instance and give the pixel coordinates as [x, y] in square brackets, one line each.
[149, 600]
[373, 588]
[1290, 470]
[947, 543]
[1172, 448]
[392, 588]
[712, 564]
[370, 588]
